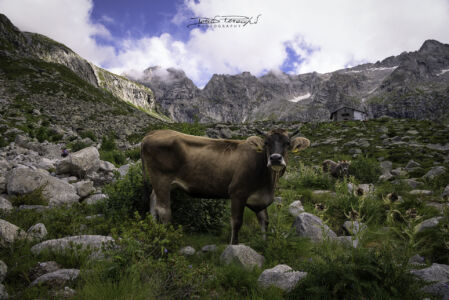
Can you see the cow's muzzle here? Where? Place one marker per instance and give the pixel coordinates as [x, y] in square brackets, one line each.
[276, 162]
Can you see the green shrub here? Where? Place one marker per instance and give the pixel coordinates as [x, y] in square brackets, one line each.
[308, 177]
[199, 215]
[126, 194]
[133, 154]
[108, 143]
[357, 274]
[36, 197]
[88, 134]
[116, 157]
[77, 145]
[366, 170]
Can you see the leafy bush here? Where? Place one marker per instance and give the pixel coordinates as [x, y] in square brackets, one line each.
[36, 197]
[88, 134]
[108, 151]
[199, 215]
[366, 170]
[357, 274]
[309, 177]
[108, 143]
[77, 145]
[134, 153]
[126, 194]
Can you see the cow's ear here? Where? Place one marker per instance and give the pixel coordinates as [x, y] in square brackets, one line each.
[299, 143]
[256, 143]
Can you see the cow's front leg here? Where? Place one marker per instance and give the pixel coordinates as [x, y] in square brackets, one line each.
[262, 217]
[237, 207]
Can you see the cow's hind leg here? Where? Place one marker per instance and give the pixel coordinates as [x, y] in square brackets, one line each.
[237, 207]
[161, 201]
[262, 217]
[153, 201]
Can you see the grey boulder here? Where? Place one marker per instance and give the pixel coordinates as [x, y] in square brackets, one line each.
[242, 255]
[57, 278]
[354, 227]
[295, 208]
[5, 205]
[429, 223]
[80, 163]
[3, 271]
[96, 198]
[84, 188]
[37, 232]
[281, 276]
[9, 233]
[188, 250]
[434, 172]
[91, 242]
[43, 268]
[308, 225]
[25, 180]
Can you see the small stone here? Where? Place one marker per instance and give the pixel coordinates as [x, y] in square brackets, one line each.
[3, 271]
[413, 183]
[43, 268]
[5, 205]
[436, 272]
[421, 192]
[445, 194]
[348, 240]
[123, 170]
[311, 226]
[385, 177]
[417, 260]
[3, 292]
[188, 250]
[386, 166]
[209, 248]
[96, 198]
[412, 165]
[9, 233]
[57, 278]
[354, 227]
[106, 166]
[281, 276]
[429, 223]
[434, 172]
[295, 208]
[37, 232]
[242, 255]
[84, 188]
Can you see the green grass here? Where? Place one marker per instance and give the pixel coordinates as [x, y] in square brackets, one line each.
[147, 263]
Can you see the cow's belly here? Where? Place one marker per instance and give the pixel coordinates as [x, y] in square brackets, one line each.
[207, 189]
[259, 199]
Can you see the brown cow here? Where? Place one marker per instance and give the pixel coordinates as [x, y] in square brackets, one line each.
[244, 170]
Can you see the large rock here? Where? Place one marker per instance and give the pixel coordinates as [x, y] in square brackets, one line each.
[434, 172]
[354, 227]
[429, 223]
[43, 268]
[5, 205]
[241, 255]
[80, 163]
[295, 208]
[187, 250]
[281, 276]
[3, 271]
[445, 194]
[3, 292]
[106, 166]
[308, 225]
[421, 192]
[25, 180]
[91, 242]
[386, 166]
[9, 233]
[434, 273]
[37, 232]
[57, 278]
[84, 188]
[96, 198]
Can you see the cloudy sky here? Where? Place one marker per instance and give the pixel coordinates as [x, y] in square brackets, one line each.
[294, 36]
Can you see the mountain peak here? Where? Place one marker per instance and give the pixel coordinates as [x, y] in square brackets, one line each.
[430, 46]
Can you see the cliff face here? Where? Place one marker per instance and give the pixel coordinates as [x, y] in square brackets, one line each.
[410, 85]
[33, 45]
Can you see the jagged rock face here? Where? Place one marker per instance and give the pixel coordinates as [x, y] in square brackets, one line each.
[26, 44]
[410, 85]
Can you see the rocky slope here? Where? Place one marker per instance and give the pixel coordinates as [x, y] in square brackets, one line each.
[38, 46]
[410, 85]
[49, 92]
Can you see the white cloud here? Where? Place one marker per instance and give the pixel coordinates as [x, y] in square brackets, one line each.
[326, 34]
[66, 21]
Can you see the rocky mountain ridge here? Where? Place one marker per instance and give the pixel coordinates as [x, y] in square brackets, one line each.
[410, 85]
[36, 45]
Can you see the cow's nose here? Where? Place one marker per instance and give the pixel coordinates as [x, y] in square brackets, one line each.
[275, 157]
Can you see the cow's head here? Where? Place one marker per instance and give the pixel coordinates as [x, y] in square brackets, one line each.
[275, 144]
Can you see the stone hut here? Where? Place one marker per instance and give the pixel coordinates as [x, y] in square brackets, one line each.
[348, 113]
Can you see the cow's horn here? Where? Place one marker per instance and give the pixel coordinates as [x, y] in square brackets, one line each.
[293, 134]
[261, 132]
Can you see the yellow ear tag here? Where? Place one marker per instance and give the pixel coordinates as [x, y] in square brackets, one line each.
[259, 149]
[296, 150]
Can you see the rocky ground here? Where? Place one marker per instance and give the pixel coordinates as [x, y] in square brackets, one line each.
[56, 213]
